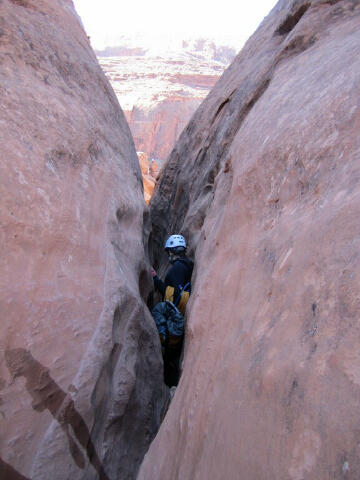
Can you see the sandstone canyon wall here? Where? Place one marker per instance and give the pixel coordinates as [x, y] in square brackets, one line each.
[81, 392]
[155, 130]
[149, 171]
[265, 183]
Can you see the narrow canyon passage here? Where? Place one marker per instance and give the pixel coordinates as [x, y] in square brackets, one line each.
[263, 183]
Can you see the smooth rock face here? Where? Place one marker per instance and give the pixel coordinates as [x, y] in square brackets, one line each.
[81, 392]
[265, 182]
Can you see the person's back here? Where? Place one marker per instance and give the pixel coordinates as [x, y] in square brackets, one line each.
[168, 315]
[178, 276]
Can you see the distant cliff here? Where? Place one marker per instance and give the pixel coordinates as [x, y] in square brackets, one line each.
[155, 130]
[264, 182]
[159, 90]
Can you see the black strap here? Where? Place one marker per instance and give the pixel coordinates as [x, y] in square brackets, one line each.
[181, 292]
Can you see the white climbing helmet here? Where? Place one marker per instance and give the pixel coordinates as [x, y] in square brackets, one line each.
[175, 241]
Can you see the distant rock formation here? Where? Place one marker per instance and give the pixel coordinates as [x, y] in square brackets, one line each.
[155, 130]
[160, 90]
[264, 182]
[150, 171]
[81, 391]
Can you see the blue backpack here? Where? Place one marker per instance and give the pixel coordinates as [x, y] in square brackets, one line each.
[169, 322]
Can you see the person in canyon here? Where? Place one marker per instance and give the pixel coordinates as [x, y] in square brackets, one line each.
[168, 315]
[176, 286]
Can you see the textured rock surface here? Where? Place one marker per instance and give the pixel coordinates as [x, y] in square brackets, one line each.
[149, 171]
[265, 183]
[80, 369]
[156, 129]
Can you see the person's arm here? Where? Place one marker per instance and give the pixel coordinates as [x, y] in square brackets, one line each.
[158, 283]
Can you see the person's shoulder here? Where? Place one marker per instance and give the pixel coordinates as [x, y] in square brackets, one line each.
[186, 261]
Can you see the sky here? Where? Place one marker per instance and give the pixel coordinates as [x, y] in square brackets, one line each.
[226, 21]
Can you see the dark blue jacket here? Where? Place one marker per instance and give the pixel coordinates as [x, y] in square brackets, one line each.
[178, 276]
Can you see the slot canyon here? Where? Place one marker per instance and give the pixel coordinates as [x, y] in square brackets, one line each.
[264, 183]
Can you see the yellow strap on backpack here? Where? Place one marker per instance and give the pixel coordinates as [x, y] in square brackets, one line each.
[169, 295]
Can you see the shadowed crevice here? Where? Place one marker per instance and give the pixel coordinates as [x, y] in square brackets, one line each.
[297, 45]
[257, 94]
[221, 106]
[292, 20]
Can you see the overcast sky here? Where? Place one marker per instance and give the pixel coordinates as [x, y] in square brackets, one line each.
[232, 20]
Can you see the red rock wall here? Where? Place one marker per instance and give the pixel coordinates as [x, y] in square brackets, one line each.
[155, 130]
[265, 182]
[149, 172]
[81, 392]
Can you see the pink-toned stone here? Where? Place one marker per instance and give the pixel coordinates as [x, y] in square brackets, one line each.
[265, 183]
[80, 367]
[156, 129]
